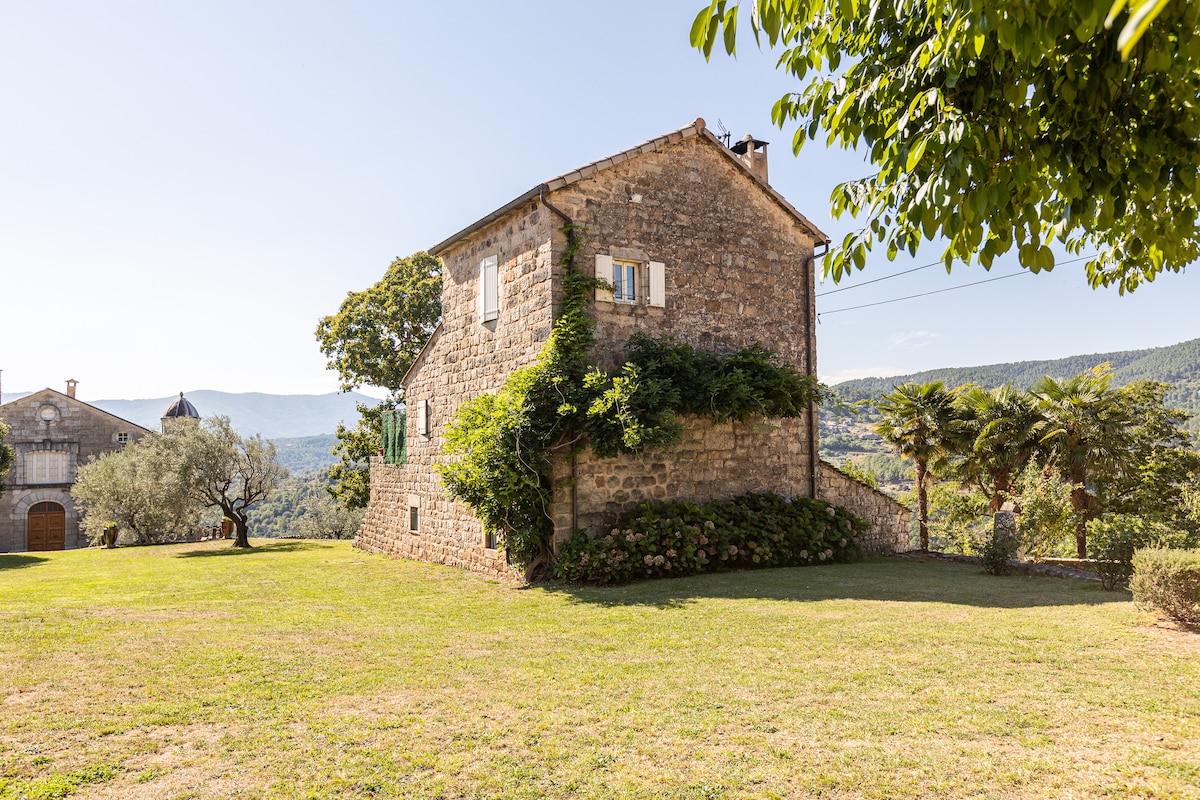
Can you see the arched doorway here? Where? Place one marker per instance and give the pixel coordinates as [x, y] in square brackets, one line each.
[46, 527]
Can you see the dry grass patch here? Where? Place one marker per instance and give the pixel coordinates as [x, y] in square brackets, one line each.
[306, 669]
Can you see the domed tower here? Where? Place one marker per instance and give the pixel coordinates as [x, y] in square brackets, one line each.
[181, 409]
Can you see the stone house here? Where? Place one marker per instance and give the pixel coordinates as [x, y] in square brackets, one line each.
[53, 435]
[696, 244]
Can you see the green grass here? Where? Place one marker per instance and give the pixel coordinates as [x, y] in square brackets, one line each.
[308, 669]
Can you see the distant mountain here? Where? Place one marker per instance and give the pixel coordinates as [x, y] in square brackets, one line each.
[1178, 365]
[273, 415]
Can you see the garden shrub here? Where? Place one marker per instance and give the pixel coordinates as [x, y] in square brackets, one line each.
[674, 538]
[1168, 581]
[1113, 539]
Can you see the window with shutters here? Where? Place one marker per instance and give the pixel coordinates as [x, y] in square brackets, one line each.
[47, 466]
[632, 282]
[489, 289]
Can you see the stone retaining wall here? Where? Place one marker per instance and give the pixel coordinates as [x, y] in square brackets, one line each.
[889, 520]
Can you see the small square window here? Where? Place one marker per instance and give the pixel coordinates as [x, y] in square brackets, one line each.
[414, 519]
[625, 274]
[123, 438]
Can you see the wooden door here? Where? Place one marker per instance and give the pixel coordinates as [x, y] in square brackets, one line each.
[46, 527]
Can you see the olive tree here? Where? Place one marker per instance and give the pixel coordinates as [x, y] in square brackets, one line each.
[224, 470]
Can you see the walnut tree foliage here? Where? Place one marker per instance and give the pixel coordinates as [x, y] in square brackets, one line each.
[373, 340]
[997, 125]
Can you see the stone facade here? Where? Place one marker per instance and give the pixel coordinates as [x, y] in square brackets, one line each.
[53, 435]
[720, 261]
[889, 520]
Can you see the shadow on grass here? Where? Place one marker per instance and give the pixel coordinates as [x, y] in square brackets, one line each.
[884, 579]
[18, 562]
[288, 546]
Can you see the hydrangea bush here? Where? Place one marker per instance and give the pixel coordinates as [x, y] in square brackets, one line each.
[675, 538]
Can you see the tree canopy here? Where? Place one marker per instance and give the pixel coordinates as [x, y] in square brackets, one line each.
[377, 333]
[997, 126]
[374, 339]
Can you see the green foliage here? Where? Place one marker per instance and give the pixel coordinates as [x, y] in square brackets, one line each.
[503, 442]
[374, 339]
[139, 490]
[753, 531]
[1168, 581]
[7, 454]
[996, 126]
[860, 474]
[350, 478]
[305, 453]
[1113, 540]
[377, 333]
[958, 518]
[999, 549]
[915, 419]
[58, 785]
[223, 470]
[1046, 517]
[302, 506]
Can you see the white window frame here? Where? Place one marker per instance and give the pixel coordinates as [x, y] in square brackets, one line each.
[489, 289]
[649, 281]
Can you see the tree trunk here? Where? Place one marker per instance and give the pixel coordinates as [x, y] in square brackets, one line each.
[922, 506]
[1079, 502]
[242, 537]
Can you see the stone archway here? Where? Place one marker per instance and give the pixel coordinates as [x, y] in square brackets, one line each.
[46, 527]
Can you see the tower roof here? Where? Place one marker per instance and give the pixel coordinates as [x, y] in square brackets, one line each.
[181, 408]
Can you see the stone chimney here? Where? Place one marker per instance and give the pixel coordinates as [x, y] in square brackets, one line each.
[71, 384]
[753, 153]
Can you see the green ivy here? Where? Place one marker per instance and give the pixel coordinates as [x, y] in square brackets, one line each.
[502, 443]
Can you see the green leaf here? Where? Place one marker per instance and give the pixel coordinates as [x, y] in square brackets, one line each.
[914, 155]
[731, 30]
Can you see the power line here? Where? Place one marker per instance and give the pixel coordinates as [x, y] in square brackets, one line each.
[918, 269]
[923, 294]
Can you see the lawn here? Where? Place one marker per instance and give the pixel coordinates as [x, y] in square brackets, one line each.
[309, 669]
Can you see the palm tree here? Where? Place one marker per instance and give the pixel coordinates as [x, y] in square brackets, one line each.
[916, 421]
[1087, 427]
[997, 432]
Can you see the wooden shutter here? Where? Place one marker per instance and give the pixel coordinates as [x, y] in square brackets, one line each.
[658, 283]
[423, 417]
[489, 289]
[604, 272]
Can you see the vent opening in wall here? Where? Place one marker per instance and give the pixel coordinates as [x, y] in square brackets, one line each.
[414, 519]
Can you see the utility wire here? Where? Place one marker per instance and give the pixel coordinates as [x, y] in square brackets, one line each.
[918, 269]
[923, 294]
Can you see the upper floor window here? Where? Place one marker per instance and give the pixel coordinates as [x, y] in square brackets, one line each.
[122, 437]
[625, 281]
[424, 419]
[489, 289]
[632, 282]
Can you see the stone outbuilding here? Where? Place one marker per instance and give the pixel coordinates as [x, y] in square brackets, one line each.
[695, 244]
[53, 434]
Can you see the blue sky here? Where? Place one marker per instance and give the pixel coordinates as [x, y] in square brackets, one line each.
[186, 188]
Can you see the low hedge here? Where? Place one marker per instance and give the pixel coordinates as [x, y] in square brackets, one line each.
[673, 538]
[1168, 581]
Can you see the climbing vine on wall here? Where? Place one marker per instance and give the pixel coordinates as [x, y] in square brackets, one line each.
[502, 444]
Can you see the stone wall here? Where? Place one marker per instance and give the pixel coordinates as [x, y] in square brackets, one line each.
[464, 359]
[713, 461]
[74, 428]
[738, 271]
[889, 520]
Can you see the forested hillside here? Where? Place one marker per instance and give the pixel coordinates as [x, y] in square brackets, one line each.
[1178, 365]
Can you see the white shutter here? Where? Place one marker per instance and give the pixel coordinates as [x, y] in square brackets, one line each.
[658, 283]
[604, 272]
[423, 417]
[489, 289]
